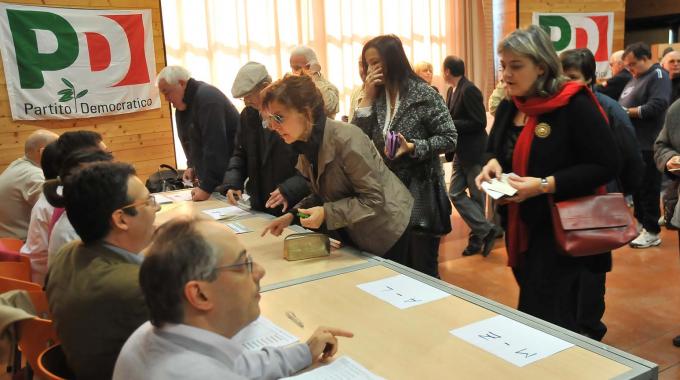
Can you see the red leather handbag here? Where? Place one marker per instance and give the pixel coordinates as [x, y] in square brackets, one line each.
[592, 224]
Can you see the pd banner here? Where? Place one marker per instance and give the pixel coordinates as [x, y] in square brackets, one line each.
[72, 63]
[593, 31]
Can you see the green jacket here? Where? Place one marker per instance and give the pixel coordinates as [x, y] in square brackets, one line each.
[96, 302]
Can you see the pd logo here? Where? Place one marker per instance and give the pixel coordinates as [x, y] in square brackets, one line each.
[593, 31]
[69, 63]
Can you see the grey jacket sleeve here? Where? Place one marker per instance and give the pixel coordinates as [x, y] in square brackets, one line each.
[441, 131]
[273, 363]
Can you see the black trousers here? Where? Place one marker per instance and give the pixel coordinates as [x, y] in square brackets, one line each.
[423, 253]
[591, 304]
[646, 200]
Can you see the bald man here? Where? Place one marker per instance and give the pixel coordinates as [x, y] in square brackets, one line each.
[671, 62]
[21, 185]
[613, 86]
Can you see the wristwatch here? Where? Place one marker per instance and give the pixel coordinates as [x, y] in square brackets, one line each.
[544, 185]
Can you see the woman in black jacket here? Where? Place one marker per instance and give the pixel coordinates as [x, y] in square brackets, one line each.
[555, 139]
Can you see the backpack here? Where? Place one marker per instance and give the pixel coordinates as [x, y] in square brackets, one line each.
[165, 180]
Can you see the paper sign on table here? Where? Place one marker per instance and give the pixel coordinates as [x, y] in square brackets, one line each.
[238, 228]
[161, 199]
[510, 340]
[226, 212]
[179, 196]
[263, 333]
[342, 368]
[402, 291]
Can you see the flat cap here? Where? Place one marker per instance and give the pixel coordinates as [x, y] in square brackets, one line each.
[248, 77]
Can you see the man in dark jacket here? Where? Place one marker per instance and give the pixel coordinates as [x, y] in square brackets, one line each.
[206, 125]
[646, 98]
[467, 111]
[260, 155]
[671, 62]
[613, 86]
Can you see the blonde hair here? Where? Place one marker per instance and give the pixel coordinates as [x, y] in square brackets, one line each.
[422, 66]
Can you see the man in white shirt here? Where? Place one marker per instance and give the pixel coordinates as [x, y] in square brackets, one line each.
[202, 289]
[21, 185]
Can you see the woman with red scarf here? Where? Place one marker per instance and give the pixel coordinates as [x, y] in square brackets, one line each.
[553, 135]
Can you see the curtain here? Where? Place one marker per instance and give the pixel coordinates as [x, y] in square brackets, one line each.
[214, 38]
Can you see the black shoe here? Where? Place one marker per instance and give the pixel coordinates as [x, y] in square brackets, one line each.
[474, 247]
[676, 341]
[490, 239]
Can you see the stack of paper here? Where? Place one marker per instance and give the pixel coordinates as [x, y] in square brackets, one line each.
[342, 368]
[226, 212]
[499, 188]
[263, 333]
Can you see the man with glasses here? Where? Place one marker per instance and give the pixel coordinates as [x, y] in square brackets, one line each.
[202, 288]
[613, 86]
[92, 286]
[259, 154]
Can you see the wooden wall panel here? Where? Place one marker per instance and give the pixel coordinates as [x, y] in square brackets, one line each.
[527, 7]
[143, 139]
[651, 8]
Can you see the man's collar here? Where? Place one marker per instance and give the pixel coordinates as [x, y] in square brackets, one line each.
[125, 254]
[206, 342]
[190, 91]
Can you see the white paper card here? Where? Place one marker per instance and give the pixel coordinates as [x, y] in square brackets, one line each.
[402, 291]
[161, 199]
[226, 212]
[238, 228]
[342, 368]
[510, 340]
[263, 333]
[179, 196]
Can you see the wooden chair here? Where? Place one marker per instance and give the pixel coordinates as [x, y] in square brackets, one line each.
[35, 335]
[19, 270]
[52, 364]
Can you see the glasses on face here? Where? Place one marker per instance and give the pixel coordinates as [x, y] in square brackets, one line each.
[248, 264]
[272, 118]
[150, 200]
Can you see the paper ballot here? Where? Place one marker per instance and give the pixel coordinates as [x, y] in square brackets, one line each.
[510, 340]
[263, 333]
[402, 291]
[226, 212]
[499, 188]
[342, 368]
[179, 196]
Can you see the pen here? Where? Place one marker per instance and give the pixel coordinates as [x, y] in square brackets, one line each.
[302, 215]
[293, 318]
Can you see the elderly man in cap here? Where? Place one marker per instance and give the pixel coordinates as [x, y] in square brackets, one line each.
[202, 288]
[260, 155]
[21, 186]
[206, 125]
[303, 61]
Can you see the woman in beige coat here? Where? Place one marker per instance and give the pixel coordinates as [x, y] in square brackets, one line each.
[356, 197]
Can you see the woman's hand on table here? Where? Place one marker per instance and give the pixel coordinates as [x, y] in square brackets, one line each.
[277, 226]
[276, 199]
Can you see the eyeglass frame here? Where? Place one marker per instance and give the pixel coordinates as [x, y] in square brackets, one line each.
[150, 200]
[248, 264]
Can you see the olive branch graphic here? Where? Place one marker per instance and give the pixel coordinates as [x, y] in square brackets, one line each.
[70, 93]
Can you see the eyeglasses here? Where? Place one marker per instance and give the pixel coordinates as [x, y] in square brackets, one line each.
[278, 119]
[150, 200]
[248, 264]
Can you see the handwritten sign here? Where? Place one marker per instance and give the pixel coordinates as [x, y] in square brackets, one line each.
[402, 291]
[510, 340]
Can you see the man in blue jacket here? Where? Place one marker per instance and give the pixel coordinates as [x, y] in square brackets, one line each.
[646, 98]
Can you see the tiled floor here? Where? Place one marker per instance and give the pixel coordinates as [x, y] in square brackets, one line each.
[643, 293]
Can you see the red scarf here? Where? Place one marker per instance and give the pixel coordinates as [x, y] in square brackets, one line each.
[518, 232]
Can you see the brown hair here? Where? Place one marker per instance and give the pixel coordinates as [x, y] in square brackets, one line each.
[296, 92]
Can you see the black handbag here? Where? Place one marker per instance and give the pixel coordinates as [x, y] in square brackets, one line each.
[431, 205]
[167, 179]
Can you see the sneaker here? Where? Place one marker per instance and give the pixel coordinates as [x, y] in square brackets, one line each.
[646, 239]
[662, 221]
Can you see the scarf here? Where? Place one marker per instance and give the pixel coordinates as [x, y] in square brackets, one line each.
[518, 232]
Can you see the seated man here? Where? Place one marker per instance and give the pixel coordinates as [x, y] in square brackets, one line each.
[201, 289]
[21, 186]
[92, 286]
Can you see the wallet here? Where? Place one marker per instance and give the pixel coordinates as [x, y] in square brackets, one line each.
[391, 144]
[306, 245]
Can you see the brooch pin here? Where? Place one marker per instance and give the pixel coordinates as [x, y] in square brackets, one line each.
[542, 130]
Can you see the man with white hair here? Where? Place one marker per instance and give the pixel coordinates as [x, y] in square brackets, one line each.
[613, 86]
[206, 124]
[303, 61]
[671, 62]
[21, 186]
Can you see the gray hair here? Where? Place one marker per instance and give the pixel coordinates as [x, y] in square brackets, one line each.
[309, 55]
[38, 140]
[617, 56]
[534, 43]
[173, 74]
[178, 254]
